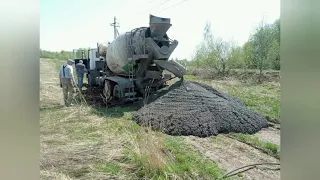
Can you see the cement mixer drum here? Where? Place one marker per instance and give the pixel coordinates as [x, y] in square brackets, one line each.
[139, 45]
[103, 49]
[134, 63]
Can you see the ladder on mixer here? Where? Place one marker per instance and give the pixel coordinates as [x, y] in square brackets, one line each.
[133, 57]
[130, 53]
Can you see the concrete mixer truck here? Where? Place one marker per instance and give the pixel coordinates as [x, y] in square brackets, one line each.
[133, 64]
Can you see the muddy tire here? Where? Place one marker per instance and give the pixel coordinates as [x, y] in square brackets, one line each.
[116, 92]
[107, 91]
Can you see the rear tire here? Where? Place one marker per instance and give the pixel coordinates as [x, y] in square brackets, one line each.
[107, 91]
[116, 92]
[89, 80]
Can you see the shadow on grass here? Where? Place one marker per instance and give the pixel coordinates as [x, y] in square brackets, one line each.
[94, 98]
[52, 108]
[114, 112]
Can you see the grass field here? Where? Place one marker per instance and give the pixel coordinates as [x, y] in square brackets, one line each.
[82, 142]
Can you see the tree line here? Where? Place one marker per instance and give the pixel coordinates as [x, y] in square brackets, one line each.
[261, 51]
[56, 55]
[62, 55]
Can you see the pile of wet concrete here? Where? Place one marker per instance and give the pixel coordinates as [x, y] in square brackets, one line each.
[192, 108]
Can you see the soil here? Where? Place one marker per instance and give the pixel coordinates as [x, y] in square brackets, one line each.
[231, 154]
[192, 108]
[270, 135]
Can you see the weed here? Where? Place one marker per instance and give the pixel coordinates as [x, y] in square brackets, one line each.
[171, 158]
[269, 148]
[109, 167]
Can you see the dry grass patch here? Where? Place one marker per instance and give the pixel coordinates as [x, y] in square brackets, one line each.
[147, 152]
[48, 175]
[50, 91]
[74, 142]
[86, 143]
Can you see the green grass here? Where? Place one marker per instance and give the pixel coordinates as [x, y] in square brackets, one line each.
[254, 98]
[177, 160]
[190, 77]
[267, 147]
[153, 154]
[116, 112]
[85, 131]
[58, 63]
[109, 167]
[263, 98]
[188, 160]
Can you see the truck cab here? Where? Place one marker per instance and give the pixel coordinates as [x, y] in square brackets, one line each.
[92, 61]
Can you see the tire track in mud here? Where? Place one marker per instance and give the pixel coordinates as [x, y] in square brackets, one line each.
[231, 154]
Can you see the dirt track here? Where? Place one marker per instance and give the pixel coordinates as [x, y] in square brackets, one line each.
[270, 135]
[50, 91]
[232, 154]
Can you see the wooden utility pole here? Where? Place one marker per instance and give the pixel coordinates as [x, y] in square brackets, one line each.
[115, 25]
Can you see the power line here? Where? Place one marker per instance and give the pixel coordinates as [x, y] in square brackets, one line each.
[160, 4]
[172, 6]
[164, 2]
[138, 13]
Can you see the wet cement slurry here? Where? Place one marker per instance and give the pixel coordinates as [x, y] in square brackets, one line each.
[192, 108]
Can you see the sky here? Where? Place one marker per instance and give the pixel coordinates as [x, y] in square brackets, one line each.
[72, 24]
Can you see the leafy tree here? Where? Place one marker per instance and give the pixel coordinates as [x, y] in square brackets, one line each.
[56, 55]
[274, 51]
[62, 54]
[261, 51]
[222, 52]
[270, 48]
[184, 62]
[213, 52]
[236, 59]
[262, 40]
[274, 55]
[248, 55]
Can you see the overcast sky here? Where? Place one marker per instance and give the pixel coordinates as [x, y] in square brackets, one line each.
[70, 24]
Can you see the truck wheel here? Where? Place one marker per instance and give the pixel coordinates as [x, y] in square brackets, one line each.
[89, 79]
[107, 90]
[116, 92]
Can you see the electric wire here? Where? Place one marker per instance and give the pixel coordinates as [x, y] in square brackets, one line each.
[172, 6]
